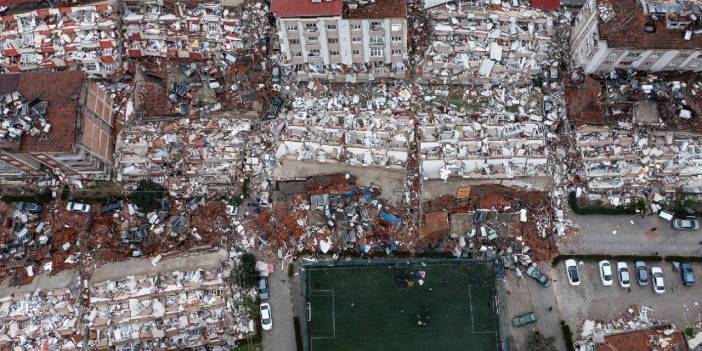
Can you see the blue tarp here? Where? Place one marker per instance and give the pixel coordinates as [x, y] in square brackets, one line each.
[390, 218]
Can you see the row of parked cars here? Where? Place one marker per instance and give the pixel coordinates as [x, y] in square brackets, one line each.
[265, 307]
[643, 274]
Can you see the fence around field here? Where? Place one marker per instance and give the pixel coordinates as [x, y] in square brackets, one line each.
[500, 296]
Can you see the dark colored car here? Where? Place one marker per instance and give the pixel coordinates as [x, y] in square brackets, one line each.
[263, 288]
[535, 273]
[641, 273]
[688, 277]
[28, 207]
[110, 207]
[275, 106]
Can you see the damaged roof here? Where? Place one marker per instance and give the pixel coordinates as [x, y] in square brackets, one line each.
[378, 9]
[626, 29]
[62, 109]
[651, 339]
[306, 8]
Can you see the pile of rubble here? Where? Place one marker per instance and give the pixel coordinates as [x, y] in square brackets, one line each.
[176, 309]
[474, 42]
[343, 128]
[41, 320]
[22, 117]
[79, 36]
[639, 134]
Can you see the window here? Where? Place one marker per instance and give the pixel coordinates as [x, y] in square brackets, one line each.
[292, 27]
[396, 27]
[312, 39]
[355, 52]
[376, 39]
[633, 54]
[333, 53]
[213, 27]
[397, 39]
[396, 52]
[356, 26]
[625, 63]
[297, 54]
[107, 52]
[314, 53]
[377, 52]
[294, 41]
[331, 26]
[312, 27]
[28, 39]
[356, 39]
[333, 40]
[375, 25]
[108, 67]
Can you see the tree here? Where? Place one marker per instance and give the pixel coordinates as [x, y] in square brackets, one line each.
[244, 273]
[538, 342]
[147, 195]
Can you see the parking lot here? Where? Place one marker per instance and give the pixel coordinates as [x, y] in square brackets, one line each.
[679, 304]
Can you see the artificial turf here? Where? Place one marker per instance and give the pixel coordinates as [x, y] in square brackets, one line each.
[370, 308]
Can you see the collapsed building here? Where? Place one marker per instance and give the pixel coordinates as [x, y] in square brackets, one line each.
[640, 35]
[638, 134]
[192, 309]
[181, 29]
[81, 36]
[343, 41]
[474, 44]
[323, 130]
[67, 131]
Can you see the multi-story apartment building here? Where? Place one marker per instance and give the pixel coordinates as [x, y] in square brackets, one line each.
[55, 122]
[345, 42]
[643, 35]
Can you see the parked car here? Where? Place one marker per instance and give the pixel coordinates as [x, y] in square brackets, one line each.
[606, 273]
[110, 207]
[641, 273]
[28, 207]
[572, 272]
[275, 74]
[266, 317]
[263, 288]
[623, 270]
[535, 273]
[77, 207]
[524, 319]
[275, 106]
[687, 223]
[688, 278]
[657, 277]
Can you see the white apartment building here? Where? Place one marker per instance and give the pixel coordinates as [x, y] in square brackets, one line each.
[637, 34]
[343, 42]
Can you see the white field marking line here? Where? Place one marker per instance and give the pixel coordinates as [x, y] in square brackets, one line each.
[472, 323]
[333, 319]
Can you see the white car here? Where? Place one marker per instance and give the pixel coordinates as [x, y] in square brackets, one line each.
[606, 273]
[78, 207]
[266, 318]
[657, 278]
[623, 271]
[572, 272]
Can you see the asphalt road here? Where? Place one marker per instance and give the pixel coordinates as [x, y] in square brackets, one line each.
[282, 337]
[629, 235]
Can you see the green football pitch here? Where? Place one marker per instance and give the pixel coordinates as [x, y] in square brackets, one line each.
[380, 307]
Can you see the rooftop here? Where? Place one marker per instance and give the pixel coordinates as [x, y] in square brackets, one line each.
[306, 8]
[378, 9]
[650, 339]
[62, 106]
[621, 24]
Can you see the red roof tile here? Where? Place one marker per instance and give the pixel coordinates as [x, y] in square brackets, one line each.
[379, 9]
[626, 30]
[306, 8]
[62, 91]
[546, 4]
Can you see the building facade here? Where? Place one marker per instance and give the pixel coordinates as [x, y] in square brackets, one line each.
[346, 42]
[646, 35]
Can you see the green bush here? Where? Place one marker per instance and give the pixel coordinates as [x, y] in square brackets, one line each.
[689, 332]
[39, 198]
[147, 196]
[568, 336]
[244, 274]
[633, 208]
